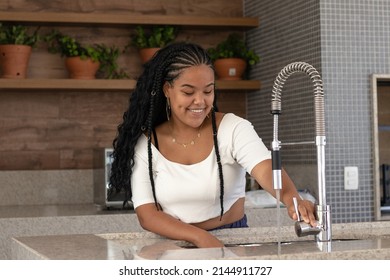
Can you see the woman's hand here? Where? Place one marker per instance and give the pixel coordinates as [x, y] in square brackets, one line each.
[262, 172]
[207, 240]
[164, 224]
[306, 210]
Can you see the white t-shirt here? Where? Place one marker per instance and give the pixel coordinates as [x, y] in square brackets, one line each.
[191, 192]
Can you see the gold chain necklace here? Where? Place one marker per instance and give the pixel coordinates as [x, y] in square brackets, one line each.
[185, 145]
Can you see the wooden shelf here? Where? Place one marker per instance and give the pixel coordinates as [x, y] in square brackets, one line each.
[67, 84]
[105, 19]
[105, 85]
[118, 19]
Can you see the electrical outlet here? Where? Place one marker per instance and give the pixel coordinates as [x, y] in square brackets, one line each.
[351, 178]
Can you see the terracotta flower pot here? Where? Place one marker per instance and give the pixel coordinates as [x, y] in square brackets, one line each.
[14, 61]
[83, 69]
[230, 68]
[147, 53]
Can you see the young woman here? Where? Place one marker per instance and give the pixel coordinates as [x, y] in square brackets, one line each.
[183, 163]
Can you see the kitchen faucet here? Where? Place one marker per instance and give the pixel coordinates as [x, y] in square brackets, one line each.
[323, 231]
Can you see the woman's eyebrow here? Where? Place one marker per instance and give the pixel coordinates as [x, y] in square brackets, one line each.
[191, 86]
[187, 85]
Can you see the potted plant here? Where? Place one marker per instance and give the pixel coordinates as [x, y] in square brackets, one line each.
[232, 57]
[148, 42]
[16, 43]
[85, 61]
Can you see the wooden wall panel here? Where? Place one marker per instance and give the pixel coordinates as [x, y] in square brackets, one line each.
[42, 130]
[383, 96]
[29, 160]
[164, 7]
[68, 126]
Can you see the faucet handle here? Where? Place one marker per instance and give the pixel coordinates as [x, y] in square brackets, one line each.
[304, 229]
[295, 201]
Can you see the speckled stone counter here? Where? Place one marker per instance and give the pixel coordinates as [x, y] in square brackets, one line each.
[43, 220]
[350, 241]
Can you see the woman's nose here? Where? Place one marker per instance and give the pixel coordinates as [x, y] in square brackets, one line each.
[198, 98]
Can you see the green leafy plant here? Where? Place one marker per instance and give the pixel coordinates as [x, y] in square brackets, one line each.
[156, 37]
[234, 47]
[18, 35]
[109, 67]
[68, 46]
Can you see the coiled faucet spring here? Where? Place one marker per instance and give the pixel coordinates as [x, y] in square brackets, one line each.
[276, 105]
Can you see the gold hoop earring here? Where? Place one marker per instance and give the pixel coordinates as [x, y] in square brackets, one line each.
[212, 109]
[168, 108]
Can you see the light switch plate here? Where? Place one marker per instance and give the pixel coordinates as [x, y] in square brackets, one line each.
[351, 178]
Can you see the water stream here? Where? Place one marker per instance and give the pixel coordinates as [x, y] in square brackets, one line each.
[278, 223]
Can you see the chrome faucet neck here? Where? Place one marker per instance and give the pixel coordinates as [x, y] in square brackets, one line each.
[323, 231]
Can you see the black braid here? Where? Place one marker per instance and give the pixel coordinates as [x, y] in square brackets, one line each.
[221, 182]
[147, 110]
[150, 155]
[150, 124]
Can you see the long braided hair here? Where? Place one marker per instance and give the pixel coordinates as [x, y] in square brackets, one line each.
[147, 110]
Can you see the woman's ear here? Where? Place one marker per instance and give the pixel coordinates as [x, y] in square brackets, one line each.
[166, 87]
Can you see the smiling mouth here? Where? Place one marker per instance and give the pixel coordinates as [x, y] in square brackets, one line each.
[196, 110]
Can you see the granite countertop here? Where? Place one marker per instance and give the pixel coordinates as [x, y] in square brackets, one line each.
[350, 241]
[33, 211]
[71, 219]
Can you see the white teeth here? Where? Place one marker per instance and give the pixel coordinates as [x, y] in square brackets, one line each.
[197, 111]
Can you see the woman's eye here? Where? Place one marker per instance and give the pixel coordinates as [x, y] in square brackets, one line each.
[208, 91]
[188, 93]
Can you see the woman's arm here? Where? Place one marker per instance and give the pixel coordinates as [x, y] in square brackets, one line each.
[262, 172]
[165, 225]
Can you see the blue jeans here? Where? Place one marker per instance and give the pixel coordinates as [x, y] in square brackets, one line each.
[237, 224]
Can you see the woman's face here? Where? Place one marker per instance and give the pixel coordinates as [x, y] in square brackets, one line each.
[191, 95]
